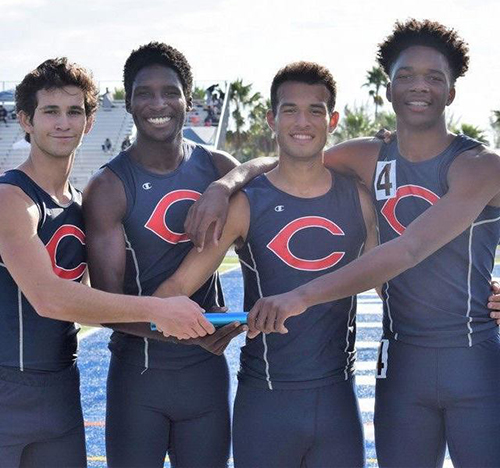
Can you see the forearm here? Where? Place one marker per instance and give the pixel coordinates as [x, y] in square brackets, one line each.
[369, 271]
[244, 173]
[74, 302]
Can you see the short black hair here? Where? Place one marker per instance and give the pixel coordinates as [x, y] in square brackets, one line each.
[425, 33]
[304, 72]
[52, 74]
[157, 53]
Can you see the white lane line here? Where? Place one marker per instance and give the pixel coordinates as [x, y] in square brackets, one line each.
[366, 365]
[369, 325]
[367, 344]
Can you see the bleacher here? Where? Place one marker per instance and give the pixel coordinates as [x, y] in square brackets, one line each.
[115, 123]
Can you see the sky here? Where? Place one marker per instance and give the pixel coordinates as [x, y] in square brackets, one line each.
[229, 39]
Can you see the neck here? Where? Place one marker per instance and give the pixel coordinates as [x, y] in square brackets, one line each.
[157, 156]
[421, 144]
[301, 178]
[50, 173]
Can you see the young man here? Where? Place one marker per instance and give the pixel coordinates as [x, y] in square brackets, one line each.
[296, 402]
[161, 396]
[438, 205]
[42, 250]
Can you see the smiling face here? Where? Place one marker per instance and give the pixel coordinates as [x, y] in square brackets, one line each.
[58, 123]
[302, 121]
[421, 87]
[158, 104]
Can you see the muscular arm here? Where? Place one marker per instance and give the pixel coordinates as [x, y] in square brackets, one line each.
[211, 209]
[56, 298]
[474, 182]
[197, 267]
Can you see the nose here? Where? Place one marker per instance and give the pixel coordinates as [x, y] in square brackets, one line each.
[159, 101]
[62, 122]
[302, 119]
[420, 84]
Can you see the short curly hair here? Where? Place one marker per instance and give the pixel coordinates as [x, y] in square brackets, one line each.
[425, 33]
[157, 53]
[304, 72]
[51, 74]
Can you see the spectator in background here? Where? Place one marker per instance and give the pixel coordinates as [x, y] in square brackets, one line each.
[107, 146]
[107, 100]
[126, 142]
[3, 115]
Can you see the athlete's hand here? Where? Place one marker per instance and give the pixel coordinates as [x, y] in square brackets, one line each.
[385, 135]
[209, 210]
[268, 315]
[180, 317]
[218, 341]
[494, 301]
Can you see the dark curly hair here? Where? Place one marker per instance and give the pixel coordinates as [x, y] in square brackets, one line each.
[51, 74]
[304, 72]
[425, 33]
[157, 53]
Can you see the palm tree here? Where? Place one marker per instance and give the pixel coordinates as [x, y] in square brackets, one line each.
[376, 79]
[356, 122]
[241, 99]
[471, 131]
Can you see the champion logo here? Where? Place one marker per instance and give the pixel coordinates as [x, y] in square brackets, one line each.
[147, 186]
[279, 208]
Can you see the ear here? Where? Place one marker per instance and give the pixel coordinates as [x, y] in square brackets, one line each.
[127, 105]
[451, 96]
[89, 124]
[334, 120]
[25, 121]
[270, 119]
[189, 104]
[388, 92]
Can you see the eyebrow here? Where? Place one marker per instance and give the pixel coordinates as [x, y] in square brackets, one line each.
[55, 107]
[432, 70]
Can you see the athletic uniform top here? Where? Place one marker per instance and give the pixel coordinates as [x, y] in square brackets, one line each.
[156, 244]
[27, 340]
[441, 302]
[290, 242]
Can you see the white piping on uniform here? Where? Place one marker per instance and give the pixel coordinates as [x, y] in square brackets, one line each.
[469, 276]
[21, 330]
[139, 293]
[264, 338]
[349, 321]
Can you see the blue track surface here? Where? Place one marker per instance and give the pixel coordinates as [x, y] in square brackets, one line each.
[94, 358]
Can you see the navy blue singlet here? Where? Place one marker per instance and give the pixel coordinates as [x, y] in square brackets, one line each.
[441, 302]
[27, 340]
[291, 241]
[157, 206]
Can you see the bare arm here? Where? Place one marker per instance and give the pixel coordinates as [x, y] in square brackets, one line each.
[211, 209]
[474, 182]
[56, 298]
[357, 158]
[197, 267]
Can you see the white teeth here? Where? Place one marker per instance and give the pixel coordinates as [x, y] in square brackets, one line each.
[159, 120]
[302, 137]
[418, 104]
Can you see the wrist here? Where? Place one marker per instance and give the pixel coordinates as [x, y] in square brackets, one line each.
[221, 186]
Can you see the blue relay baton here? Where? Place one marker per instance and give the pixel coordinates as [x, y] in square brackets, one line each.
[220, 319]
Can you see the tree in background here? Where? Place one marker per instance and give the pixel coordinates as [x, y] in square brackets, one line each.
[376, 79]
[355, 122]
[199, 93]
[471, 131]
[242, 100]
[495, 125]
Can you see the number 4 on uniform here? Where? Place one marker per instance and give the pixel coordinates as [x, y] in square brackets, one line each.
[385, 180]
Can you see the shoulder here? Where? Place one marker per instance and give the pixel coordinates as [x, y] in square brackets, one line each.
[223, 161]
[356, 157]
[105, 192]
[17, 210]
[480, 161]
